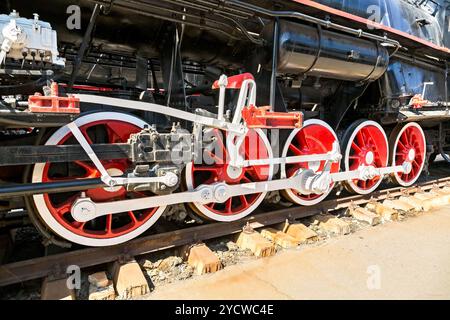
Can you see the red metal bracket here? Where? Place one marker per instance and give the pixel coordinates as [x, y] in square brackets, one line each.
[235, 82]
[263, 118]
[417, 102]
[53, 103]
[87, 87]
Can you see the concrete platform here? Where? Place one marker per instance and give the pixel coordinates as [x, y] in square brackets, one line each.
[398, 260]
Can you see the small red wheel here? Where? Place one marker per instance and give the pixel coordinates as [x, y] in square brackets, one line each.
[215, 168]
[315, 137]
[54, 209]
[365, 144]
[408, 144]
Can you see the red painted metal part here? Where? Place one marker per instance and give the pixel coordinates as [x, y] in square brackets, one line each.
[368, 139]
[370, 23]
[235, 82]
[252, 148]
[60, 205]
[410, 139]
[53, 103]
[311, 139]
[262, 117]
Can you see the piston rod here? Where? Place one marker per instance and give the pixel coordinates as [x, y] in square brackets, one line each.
[12, 190]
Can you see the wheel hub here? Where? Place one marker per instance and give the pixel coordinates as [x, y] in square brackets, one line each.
[369, 158]
[234, 173]
[411, 154]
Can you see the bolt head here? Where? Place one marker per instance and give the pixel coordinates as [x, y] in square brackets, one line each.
[221, 193]
[206, 194]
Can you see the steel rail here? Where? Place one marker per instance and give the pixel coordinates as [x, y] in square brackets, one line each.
[55, 265]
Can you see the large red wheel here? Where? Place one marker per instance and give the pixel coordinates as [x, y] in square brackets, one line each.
[316, 137]
[365, 144]
[54, 209]
[215, 168]
[408, 144]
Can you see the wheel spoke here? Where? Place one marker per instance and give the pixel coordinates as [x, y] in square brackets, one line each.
[360, 139]
[86, 135]
[244, 200]
[64, 208]
[228, 205]
[90, 169]
[109, 223]
[410, 137]
[295, 150]
[404, 140]
[401, 145]
[356, 147]
[363, 184]
[80, 225]
[368, 138]
[206, 168]
[132, 216]
[302, 139]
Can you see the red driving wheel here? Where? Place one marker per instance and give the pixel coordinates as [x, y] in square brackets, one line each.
[364, 144]
[408, 144]
[215, 168]
[316, 137]
[54, 209]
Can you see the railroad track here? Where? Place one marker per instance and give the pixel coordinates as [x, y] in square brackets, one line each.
[55, 265]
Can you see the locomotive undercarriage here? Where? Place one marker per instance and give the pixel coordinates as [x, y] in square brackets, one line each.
[332, 115]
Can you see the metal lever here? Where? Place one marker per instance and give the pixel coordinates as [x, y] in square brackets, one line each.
[170, 179]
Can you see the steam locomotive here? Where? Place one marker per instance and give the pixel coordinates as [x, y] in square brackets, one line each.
[114, 114]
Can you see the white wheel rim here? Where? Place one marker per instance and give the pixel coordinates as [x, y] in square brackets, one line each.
[291, 194]
[203, 210]
[41, 206]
